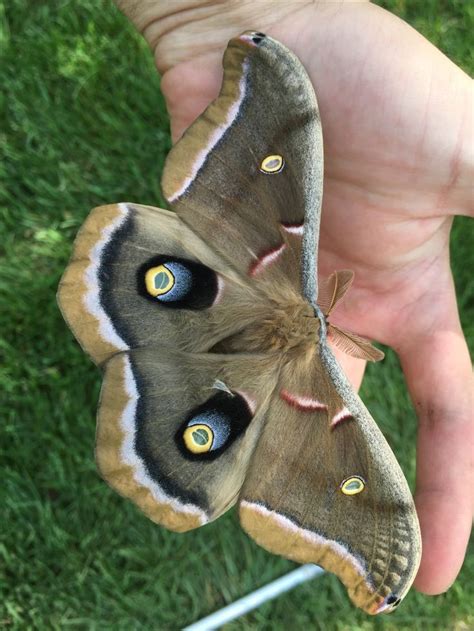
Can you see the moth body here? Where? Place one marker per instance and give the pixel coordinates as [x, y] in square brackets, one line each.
[289, 329]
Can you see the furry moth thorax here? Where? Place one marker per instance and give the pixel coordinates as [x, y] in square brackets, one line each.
[290, 329]
[220, 387]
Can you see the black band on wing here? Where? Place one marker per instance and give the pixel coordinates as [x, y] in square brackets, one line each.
[177, 283]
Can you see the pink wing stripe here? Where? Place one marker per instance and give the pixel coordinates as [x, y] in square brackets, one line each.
[304, 404]
[293, 228]
[343, 415]
[266, 259]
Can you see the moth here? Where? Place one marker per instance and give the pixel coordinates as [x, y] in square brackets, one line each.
[220, 386]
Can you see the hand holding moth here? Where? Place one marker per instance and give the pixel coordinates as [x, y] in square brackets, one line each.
[397, 143]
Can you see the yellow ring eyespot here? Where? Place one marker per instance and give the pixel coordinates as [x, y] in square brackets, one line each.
[272, 164]
[159, 280]
[353, 485]
[198, 438]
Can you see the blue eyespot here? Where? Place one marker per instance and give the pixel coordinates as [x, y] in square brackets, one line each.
[178, 283]
[214, 425]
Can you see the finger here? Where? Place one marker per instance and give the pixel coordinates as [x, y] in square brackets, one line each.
[188, 89]
[438, 372]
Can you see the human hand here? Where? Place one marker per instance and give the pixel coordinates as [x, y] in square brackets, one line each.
[397, 136]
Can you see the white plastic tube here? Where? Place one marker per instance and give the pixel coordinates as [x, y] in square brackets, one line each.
[255, 599]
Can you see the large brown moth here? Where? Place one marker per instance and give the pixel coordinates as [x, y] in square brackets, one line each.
[220, 387]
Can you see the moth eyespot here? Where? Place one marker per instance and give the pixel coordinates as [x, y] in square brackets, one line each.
[178, 283]
[353, 485]
[272, 164]
[214, 425]
[198, 438]
[159, 281]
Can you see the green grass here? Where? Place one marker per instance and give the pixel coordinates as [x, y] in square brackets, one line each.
[83, 123]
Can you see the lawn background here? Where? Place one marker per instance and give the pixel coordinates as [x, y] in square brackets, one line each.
[83, 123]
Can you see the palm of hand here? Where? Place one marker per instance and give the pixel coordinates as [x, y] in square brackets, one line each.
[394, 144]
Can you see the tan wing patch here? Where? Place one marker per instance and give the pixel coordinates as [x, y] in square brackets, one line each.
[117, 460]
[278, 534]
[188, 156]
[78, 294]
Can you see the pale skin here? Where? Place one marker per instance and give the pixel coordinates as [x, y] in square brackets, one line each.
[399, 164]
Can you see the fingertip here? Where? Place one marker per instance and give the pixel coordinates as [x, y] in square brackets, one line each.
[445, 528]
